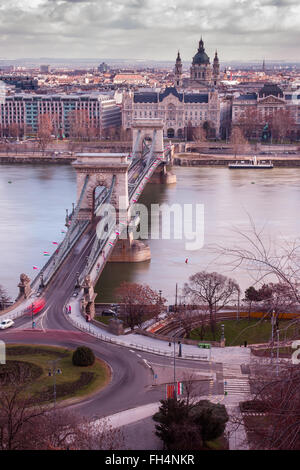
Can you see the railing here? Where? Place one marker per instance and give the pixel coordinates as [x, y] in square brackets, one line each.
[88, 329]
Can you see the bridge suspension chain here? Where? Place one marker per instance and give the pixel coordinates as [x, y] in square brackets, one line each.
[99, 243]
[150, 155]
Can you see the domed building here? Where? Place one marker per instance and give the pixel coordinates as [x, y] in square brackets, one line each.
[190, 104]
[203, 75]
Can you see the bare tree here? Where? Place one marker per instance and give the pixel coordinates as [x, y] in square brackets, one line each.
[44, 131]
[238, 141]
[199, 135]
[140, 303]
[250, 123]
[281, 123]
[4, 298]
[212, 289]
[264, 259]
[27, 424]
[278, 398]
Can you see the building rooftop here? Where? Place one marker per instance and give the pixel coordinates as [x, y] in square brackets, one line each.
[152, 97]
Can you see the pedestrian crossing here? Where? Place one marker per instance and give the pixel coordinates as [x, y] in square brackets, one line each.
[235, 383]
[236, 386]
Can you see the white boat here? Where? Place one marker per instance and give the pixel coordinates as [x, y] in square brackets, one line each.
[253, 163]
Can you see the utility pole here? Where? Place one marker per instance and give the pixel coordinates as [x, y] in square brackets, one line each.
[272, 334]
[32, 322]
[174, 364]
[238, 307]
[176, 298]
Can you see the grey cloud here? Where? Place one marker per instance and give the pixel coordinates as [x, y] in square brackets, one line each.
[149, 28]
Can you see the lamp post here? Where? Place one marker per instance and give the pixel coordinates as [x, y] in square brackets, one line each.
[277, 360]
[53, 371]
[174, 364]
[238, 307]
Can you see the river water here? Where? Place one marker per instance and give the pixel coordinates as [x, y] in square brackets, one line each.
[33, 199]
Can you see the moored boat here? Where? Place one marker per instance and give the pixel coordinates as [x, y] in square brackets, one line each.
[253, 163]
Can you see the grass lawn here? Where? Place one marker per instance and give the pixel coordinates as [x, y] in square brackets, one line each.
[238, 331]
[74, 381]
[103, 319]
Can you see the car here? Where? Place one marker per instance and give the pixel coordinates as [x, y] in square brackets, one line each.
[6, 324]
[108, 313]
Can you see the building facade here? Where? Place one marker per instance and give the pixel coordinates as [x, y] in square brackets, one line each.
[24, 110]
[178, 110]
[269, 102]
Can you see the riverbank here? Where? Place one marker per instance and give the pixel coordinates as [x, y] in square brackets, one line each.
[37, 158]
[197, 159]
[180, 159]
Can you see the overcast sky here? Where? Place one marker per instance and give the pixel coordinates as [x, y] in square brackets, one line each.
[150, 29]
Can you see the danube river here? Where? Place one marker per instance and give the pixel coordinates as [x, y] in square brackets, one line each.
[33, 199]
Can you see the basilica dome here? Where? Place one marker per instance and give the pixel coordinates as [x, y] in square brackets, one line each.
[201, 57]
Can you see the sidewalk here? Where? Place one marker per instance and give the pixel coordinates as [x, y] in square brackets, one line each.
[229, 355]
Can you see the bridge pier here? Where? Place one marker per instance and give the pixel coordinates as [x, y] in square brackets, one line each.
[130, 251]
[163, 176]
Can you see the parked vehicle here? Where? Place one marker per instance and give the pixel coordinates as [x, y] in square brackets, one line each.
[6, 324]
[108, 313]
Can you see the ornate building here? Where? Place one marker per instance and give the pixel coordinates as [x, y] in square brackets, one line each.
[203, 75]
[192, 102]
[265, 104]
[179, 110]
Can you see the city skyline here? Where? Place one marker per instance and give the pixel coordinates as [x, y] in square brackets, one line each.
[147, 30]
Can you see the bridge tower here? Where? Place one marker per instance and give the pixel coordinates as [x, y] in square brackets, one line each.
[151, 130]
[103, 169]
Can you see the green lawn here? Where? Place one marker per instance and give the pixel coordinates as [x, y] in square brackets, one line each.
[73, 382]
[103, 319]
[238, 331]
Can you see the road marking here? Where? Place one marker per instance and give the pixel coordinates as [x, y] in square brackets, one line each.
[147, 364]
[42, 318]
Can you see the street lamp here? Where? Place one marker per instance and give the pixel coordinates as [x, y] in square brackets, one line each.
[42, 285]
[179, 355]
[53, 371]
[277, 361]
